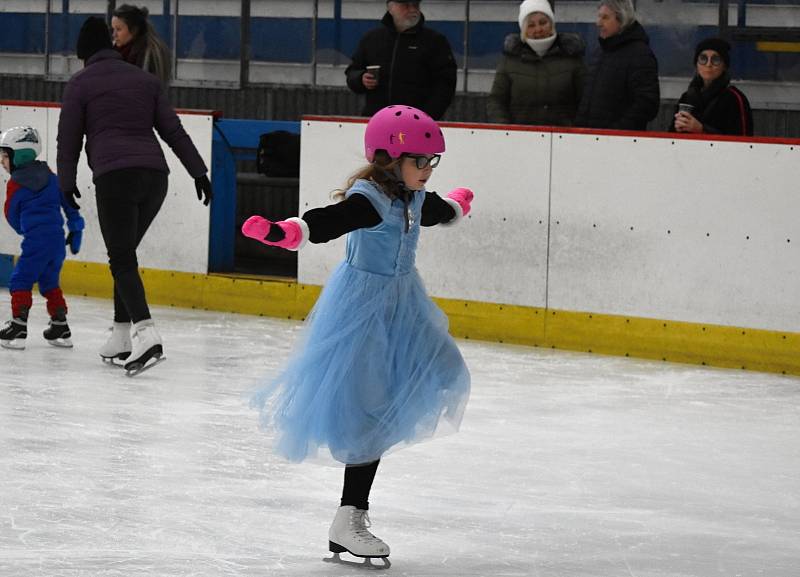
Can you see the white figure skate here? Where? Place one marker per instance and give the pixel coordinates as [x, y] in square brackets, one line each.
[348, 534]
[147, 350]
[118, 346]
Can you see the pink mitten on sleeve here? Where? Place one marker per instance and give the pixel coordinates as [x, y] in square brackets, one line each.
[295, 231]
[463, 196]
[256, 227]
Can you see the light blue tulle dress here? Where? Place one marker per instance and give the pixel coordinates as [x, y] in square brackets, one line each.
[376, 369]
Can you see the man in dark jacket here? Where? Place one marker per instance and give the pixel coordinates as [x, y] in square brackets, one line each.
[416, 63]
[117, 106]
[621, 90]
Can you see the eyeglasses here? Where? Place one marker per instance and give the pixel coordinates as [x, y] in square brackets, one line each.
[714, 60]
[423, 161]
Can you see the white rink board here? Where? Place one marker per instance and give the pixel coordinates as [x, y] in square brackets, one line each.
[686, 230]
[178, 238]
[497, 254]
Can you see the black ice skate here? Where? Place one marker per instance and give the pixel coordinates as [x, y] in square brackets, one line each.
[14, 334]
[348, 534]
[147, 350]
[57, 333]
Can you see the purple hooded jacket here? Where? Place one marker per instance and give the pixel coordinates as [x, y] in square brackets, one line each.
[117, 106]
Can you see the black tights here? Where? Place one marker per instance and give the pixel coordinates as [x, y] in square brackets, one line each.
[357, 484]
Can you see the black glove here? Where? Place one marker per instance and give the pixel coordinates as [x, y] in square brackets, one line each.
[203, 187]
[70, 196]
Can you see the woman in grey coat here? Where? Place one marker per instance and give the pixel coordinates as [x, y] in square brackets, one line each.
[539, 78]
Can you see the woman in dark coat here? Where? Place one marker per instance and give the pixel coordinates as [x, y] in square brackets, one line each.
[712, 105]
[117, 107]
[621, 90]
[539, 78]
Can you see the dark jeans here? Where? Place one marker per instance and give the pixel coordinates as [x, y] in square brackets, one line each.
[127, 202]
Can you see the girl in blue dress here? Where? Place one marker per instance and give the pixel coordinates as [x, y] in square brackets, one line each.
[377, 368]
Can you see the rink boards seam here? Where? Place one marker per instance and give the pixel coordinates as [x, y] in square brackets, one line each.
[672, 341]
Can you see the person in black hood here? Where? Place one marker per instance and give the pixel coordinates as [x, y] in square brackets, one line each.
[403, 62]
[621, 90]
[712, 105]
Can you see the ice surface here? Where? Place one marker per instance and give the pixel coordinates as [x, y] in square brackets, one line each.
[566, 465]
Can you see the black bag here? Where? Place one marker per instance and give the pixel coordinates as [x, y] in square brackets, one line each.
[279, 154]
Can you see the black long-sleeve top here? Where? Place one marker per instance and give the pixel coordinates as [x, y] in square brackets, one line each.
[335, 220]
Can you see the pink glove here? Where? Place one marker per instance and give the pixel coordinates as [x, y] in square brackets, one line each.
[294, 229]
[463, 196]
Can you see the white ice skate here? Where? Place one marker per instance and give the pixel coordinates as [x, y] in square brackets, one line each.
[348, 534]
[118, 346]
[147, 350]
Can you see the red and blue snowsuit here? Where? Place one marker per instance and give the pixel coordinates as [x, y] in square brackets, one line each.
[33, 206]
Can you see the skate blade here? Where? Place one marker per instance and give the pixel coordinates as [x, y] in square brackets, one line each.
[14, 345]
[60, 343]
[133, 369]
[365, 564]
[117, 360]
[143, 362]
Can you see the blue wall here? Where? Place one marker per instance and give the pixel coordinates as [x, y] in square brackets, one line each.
[288, 40]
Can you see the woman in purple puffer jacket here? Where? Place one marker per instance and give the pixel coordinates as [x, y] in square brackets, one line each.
[116, 106]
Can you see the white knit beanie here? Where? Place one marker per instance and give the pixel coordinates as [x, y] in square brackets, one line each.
[531, 6]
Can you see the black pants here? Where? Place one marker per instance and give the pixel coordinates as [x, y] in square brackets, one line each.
[127, 202]
[357, 484]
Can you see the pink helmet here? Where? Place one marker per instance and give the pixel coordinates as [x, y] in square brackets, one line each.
[400, 129]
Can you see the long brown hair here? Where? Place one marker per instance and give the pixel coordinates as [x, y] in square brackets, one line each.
[380, 171]
[148, 50]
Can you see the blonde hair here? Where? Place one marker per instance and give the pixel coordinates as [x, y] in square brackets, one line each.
[623, 9]
[156, 57]
[381, 171]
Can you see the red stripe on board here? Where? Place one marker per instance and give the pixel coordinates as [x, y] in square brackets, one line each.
[31, 103]
[36, 104]
[572, 130]
[743, 116]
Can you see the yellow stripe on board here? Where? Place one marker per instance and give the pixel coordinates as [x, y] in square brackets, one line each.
[675, 341]
[705, 344]
[254, 296]
[778, 46]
